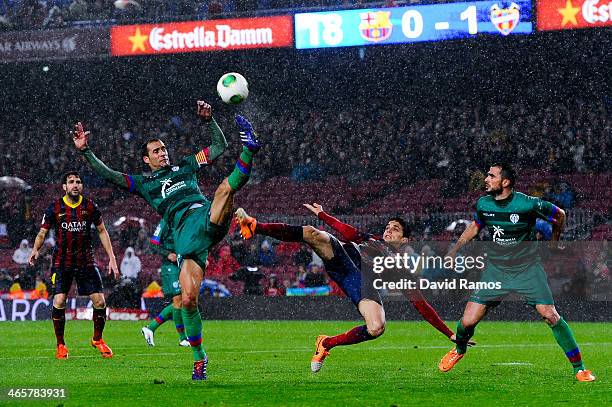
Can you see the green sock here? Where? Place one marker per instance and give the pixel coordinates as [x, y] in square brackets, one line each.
[193, 329]
[163, 316]
[565, 338]
[240, 176]
[177, 316]
[463, 336]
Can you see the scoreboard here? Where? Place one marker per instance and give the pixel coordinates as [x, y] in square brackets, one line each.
[397, 25]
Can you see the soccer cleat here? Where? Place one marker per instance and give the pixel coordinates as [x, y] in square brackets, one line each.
[148, 336]
[61, 352]
[247, 134]
[247, 224]
[184, 343]
[585, 376]
[105, 351]
[316, 363]
[450, 360]
[199, 369]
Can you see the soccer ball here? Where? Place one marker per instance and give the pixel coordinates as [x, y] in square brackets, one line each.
[232, 88]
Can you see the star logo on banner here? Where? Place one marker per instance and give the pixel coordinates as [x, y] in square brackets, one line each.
[138, 40]
[569, 13]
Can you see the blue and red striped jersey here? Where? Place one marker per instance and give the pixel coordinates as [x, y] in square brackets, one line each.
[72, 224]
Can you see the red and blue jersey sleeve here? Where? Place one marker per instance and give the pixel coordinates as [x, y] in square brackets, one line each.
[96, 215]
[48, 220]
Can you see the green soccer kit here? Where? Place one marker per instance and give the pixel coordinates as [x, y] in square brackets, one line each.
[512, 260]
[163, 244]
[174, 193]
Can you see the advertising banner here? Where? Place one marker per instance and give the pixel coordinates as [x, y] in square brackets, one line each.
[53, 44]
[570, 14]
[200, 36]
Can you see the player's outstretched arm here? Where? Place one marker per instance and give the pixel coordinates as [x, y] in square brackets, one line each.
[558, 223]
[38, 242]
[347, 232]
[108, 247]
[219, 144]
[468, 234]
[80, 138]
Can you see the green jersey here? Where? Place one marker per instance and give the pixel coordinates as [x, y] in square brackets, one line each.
[162, 240]
[511, 224]
[171, 190]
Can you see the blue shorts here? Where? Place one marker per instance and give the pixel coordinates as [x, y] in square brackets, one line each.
[345, 270]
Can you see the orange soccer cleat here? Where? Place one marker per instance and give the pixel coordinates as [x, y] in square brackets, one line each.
[585, 376]
[61, 352]
[316, 363]
[105, 351]
[450, 360]
[247, 224]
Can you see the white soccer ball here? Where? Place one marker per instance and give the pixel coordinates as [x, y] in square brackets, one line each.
[232, 88]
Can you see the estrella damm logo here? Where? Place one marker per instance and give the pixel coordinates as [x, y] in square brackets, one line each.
[375, 25]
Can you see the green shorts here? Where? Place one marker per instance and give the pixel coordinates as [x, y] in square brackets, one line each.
[195, 235]
[170, 279]
[531, 284]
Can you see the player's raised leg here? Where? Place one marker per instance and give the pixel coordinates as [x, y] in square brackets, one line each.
[58, 314]
[148, 332]
[191, 278]
[223, 201]
[99, 321]
[565, 338]
[472, 315]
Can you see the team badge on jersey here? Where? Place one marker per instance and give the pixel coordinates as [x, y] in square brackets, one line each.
[175, 168]
[514, 218]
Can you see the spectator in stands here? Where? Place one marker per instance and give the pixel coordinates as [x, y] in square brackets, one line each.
[55, 18]
[6, 280]
[78, 10]
[130, 265]
[22, 254]
[267, 258]
[141, 245]
[315, 277]
[274, 289]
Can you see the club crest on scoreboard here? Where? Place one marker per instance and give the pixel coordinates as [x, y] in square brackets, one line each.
[375, 25]
[505, 19]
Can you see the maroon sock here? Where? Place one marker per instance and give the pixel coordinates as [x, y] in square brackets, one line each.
[99, 319]
[430, 315]
[59, 321]
[281, 231]
[355, 335]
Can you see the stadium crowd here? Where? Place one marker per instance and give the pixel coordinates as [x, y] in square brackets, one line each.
[446, 143]
[36, 14]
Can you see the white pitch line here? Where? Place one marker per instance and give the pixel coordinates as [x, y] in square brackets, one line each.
[513, 364]
[153, 354]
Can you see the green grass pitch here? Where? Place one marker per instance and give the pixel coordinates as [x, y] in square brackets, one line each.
[268, 363]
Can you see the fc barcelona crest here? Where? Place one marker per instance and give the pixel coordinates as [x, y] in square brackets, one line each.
[375, 25]
[514, 218]
[505, 19]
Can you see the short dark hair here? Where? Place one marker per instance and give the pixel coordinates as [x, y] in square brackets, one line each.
[403, 223]
[144, 148]
[507, 172]
[69, 173]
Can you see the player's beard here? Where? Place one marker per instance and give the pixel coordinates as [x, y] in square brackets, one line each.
[495, 192]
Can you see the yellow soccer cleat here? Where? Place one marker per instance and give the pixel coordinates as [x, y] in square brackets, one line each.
[450, 360]
[585, 376]
[247, 224]
[105, 351]
[316, 363]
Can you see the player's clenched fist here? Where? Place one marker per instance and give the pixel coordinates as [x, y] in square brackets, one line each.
[204, 110]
